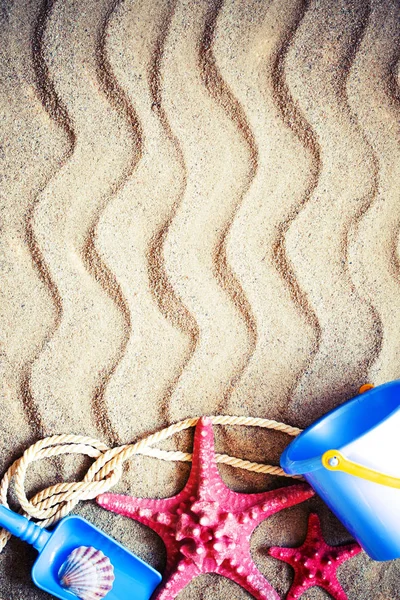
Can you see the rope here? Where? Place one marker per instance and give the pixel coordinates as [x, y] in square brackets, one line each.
[55, 502]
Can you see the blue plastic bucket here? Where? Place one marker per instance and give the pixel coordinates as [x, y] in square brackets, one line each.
[366, 431]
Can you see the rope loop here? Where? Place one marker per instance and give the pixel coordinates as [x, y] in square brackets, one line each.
[54, 502]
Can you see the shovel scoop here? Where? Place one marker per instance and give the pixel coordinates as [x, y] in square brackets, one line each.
[77, 560]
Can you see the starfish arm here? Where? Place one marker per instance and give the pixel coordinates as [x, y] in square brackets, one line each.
[334, 588]
[284, 554]
[153, 513]
[276, 500]
[174, 583]
[314, 530]
[261, 506]
[297, 590]
[300, 585]
[173, 558]
[346, 552]
[128, 506]
[204, 474]
[249, 578]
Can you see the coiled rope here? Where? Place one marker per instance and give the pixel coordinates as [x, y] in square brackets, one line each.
[55, 502]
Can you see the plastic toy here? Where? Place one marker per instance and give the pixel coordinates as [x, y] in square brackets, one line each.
[350, 457]
[101, 568]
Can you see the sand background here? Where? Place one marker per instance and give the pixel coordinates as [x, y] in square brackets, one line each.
[199, 214]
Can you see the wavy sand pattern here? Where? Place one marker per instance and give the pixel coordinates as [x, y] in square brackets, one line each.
[199, 213]
[380, 49]
[345, 180]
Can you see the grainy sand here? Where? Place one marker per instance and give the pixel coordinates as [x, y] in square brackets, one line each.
[199, 214]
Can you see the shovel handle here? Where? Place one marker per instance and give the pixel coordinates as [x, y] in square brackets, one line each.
[24, 529]
[333, 460]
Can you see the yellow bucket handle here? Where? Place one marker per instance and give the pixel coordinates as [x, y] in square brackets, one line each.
[335, 461]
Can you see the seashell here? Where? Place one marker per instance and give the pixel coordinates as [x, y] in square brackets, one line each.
[87, 573]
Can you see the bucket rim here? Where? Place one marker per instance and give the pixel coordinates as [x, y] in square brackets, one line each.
[307, 465]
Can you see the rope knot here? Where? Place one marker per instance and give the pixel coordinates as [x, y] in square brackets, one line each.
[55, 502]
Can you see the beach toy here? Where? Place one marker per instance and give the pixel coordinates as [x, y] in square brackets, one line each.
[351, 458]
[77, 560]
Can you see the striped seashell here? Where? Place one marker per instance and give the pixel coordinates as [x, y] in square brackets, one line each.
[87, 573]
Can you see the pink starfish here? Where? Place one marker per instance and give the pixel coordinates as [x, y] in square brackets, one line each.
[315, 563]
[206, 528]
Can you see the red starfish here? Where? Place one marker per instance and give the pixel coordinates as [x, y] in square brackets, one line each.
[206, 528]
[315, 563]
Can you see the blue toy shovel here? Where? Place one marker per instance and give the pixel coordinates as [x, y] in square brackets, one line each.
[77, 560]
